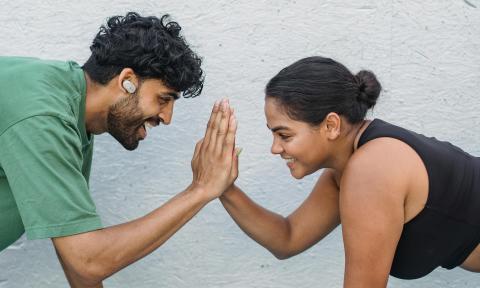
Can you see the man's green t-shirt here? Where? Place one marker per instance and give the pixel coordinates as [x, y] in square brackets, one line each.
[45, 151]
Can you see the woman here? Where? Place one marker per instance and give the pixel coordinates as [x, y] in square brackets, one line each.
[407, 203]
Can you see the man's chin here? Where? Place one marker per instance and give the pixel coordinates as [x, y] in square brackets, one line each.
[129, 144]
[130, 147]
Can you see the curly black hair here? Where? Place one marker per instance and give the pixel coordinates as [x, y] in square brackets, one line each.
[152, 47]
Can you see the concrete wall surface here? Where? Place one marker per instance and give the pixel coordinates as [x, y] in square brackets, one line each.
[425, 53]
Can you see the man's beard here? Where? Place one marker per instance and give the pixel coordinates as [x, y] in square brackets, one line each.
[123, 120]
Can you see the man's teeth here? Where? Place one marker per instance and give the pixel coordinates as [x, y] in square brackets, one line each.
[290, 160]
[148, 125]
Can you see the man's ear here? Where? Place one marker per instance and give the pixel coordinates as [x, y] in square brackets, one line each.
[127, 80]
[333, 123]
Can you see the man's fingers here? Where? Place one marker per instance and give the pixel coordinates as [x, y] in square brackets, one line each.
[197, 148]
[216, 126]
[229, 143]
[223, 129]
[213, 115]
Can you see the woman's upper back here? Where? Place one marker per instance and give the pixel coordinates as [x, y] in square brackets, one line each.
[451, 171]
[447, 229]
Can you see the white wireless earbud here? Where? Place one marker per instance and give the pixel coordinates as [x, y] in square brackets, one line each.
[129, 86]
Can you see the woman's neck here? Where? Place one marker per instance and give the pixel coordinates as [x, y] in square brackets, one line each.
[348, 146]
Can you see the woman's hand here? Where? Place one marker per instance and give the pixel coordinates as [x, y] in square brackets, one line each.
[214, 162]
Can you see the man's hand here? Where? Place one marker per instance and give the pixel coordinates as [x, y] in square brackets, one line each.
[214, 162]
[90, 257]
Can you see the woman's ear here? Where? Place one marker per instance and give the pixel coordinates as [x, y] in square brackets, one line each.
[332, 123]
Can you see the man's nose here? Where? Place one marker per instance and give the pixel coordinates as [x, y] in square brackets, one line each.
[166, 113]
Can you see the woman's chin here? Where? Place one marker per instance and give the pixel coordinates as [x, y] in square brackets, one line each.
[297, 174]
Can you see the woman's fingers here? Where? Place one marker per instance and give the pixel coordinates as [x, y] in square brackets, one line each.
[234, 171]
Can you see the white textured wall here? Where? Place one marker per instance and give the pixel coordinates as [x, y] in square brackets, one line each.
[426, 54]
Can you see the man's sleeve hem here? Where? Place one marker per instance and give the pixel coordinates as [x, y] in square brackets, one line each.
[64, 229]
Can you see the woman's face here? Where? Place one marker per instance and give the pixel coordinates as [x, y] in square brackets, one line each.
[304, 148]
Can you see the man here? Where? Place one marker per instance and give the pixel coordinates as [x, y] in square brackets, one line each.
[48, 113]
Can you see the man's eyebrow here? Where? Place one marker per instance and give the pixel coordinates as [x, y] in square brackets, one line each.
[174, 95]
[275, 129]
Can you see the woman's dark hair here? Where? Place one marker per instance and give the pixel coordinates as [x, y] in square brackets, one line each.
[312, 87]
[152, 47]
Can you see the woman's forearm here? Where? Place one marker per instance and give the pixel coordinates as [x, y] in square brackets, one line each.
[269, 229]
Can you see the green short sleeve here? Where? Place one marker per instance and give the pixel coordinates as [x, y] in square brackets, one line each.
[42, 160]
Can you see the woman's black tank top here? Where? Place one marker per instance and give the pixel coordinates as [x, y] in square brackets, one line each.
[447, 230]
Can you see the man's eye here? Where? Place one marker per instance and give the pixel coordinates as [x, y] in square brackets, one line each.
[283, 136]
[164, 100]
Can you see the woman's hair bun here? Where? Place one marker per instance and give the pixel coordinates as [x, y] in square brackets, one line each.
[368, 88]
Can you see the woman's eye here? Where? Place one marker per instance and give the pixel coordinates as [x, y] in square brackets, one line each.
[284, 137]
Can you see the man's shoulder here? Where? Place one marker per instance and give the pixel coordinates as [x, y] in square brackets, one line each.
[37, 71]
[33, 86]
[27, 60]
[31, 68]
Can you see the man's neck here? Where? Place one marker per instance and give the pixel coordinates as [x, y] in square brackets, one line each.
[96, 106]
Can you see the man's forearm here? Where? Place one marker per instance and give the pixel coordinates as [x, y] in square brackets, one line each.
[72, 278]
[98, 254]
[95, 255]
